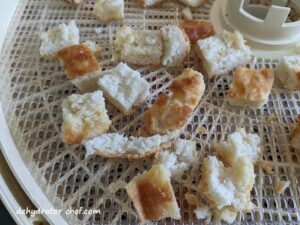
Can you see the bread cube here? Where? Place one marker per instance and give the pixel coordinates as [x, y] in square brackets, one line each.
[220, 54]
[153, 195]
[176, 46]
[109, 10]
[58, 38]
[250, 87]
[124, 88]
[288, 72]
[84, 117]
[192, 3]
[80, 66]
[295, 135]
[140, 48]
[239, 144]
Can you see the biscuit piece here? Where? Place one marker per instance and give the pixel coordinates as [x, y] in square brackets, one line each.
[140, 48]
[170, 113]
[109, 10]
[250, 87]
[150, 3]
[288, 72]
[198, 29]
[58, 38]
[227, 187]
[239, 144]
[116, 145]
[220, 54]
[153, 196]
[176, 45]
[192, 3]
[84, 117]
[80, 66]
[295, 135]
[124, 88]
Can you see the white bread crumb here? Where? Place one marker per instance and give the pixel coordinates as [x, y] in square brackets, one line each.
[187, 13]
[109, 10]
[203, 212]
[59, 37]
[124, 87]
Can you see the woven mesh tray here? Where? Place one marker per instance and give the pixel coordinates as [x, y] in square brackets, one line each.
[32, 90]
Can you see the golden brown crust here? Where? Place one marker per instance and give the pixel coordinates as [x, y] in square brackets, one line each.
[71, 135]
[296, 131]
[171, 113]
[198, 29]
[78, 60]
[251, 84]
[298, 81]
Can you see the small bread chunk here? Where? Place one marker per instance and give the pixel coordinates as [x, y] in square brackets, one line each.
[140, 48]
[176, 46]
[239, 144]
[288, 72]
[295, 135]
[171, 113]
[124, 88]
[84, 117]
[118, 146]
[198, 29]
[250, 87]
[187, 13]
[184, 155]
[192, 3]
[58, 38]
[153, 196]
[109, 10]
[220, 54]
[150, 3]
[80, 66]
[227, 187]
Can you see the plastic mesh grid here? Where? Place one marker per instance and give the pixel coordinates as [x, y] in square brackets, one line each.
[32, 90]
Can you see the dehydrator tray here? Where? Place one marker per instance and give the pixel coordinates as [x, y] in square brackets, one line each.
[59, 176]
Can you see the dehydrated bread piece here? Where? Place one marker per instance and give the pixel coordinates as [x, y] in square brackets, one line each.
[153, 196]
[171, 113]
[176, 45]
[192, 3]
[117, 145]
[288, 72]
[250, 87]
[187, 13]
[295, 135]
[150, 3]
[227, 187]
[80, 66]
[141, 48]
[124, 87]
[220, 54]
[198, 29]
[239, 144]
[58, 38]
[84, 117]
[109, 10]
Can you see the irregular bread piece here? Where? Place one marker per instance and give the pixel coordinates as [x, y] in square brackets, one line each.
[288, 72]
[192, 3]
[239, 144]
[220, 54]
[176, 45]
[227, 186]
[84, 117]
[171, 113]
[187, 13]
[184, 154]
[153, 196]
[250, 87]
[124, 87]
[116, 145]
[198, 29]
[150, 3]
[295, 135]
[80, 66]
[109, 10]
[58, 38]
[141, 48]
